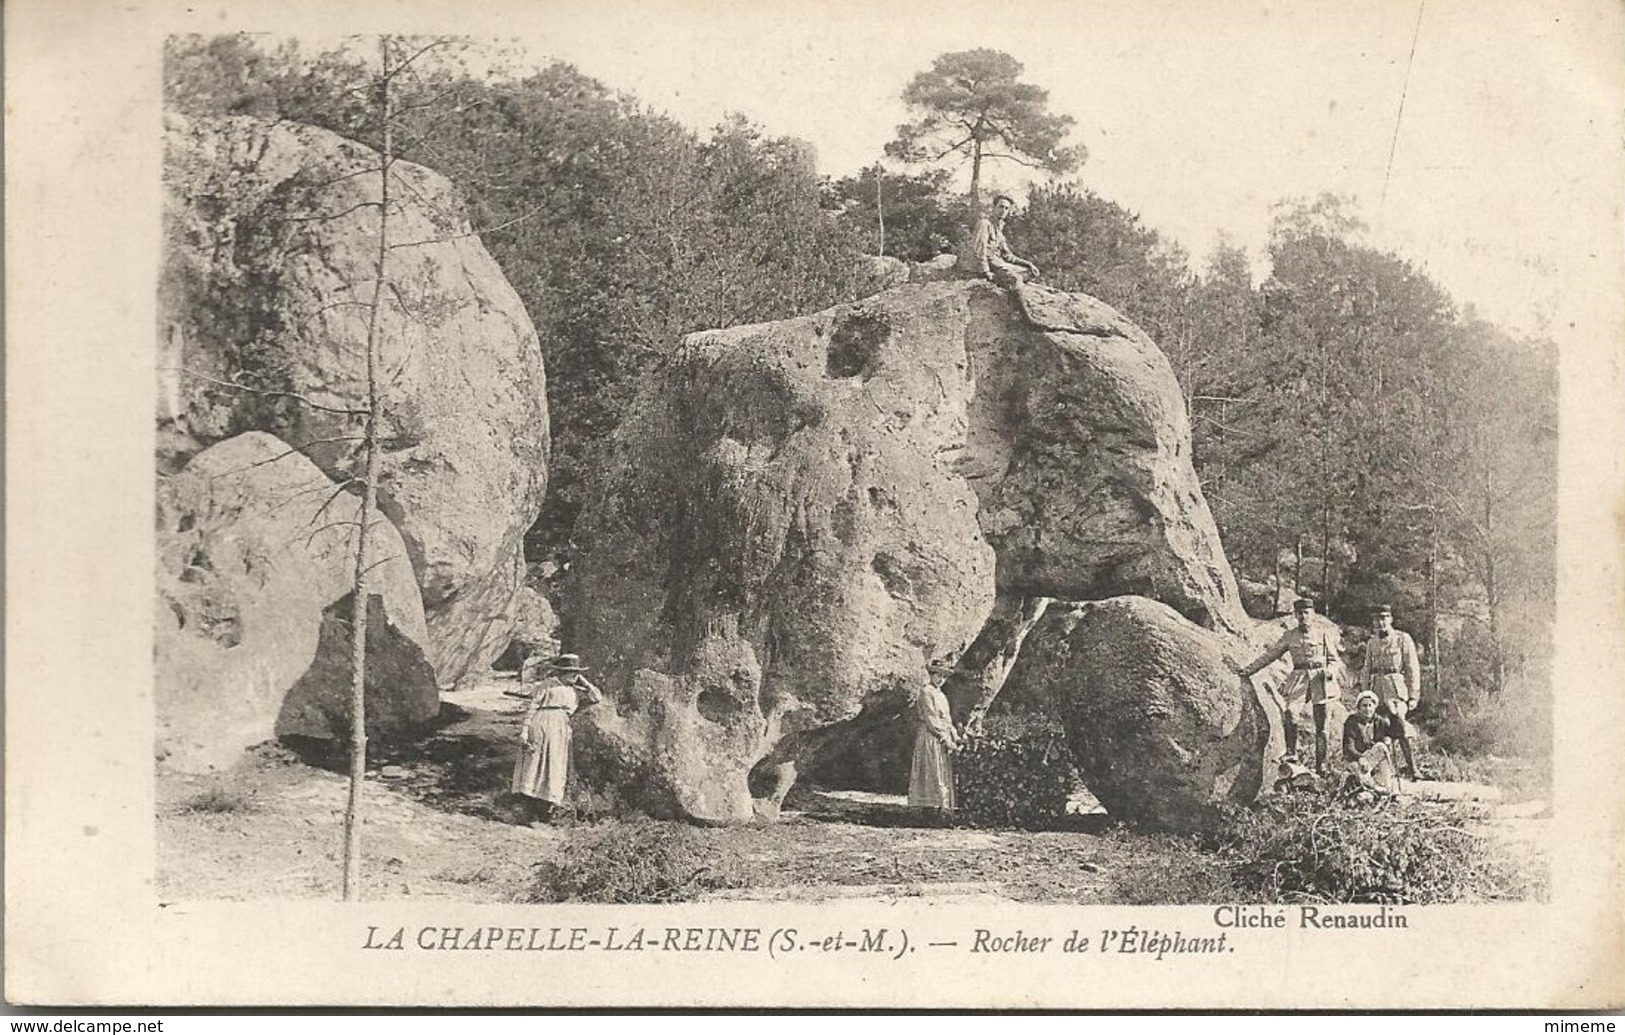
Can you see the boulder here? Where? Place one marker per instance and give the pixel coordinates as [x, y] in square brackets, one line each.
[535, 630]
[1160, 727]
[400, 689]
[943, 267]
[255, 571]
[832, 500]
[1079, 448]
[877, 273]
[271, 244]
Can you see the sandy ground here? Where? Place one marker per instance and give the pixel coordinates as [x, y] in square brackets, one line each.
[272, 828]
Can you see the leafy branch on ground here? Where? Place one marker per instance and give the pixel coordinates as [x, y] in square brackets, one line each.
[1314, 848]
[633, 861]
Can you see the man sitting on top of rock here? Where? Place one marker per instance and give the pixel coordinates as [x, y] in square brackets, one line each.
[987, 254]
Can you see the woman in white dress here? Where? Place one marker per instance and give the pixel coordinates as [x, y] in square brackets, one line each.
[544, 737]
[931, 777]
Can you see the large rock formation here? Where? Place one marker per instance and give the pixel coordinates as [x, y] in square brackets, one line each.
[1160, 726]
[255, 575]
[272, 240]
[797, 515]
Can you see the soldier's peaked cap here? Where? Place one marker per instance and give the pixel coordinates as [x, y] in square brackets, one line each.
[1303, 604]
[1382, 609]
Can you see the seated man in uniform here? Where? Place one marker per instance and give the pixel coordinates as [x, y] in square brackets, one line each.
[987, 254]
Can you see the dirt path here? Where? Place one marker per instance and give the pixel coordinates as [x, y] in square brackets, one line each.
[272, 827]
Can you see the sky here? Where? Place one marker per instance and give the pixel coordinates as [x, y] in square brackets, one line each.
[1200, 116]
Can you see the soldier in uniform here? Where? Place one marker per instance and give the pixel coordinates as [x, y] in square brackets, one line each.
[1394, 673]
[1313, 655]
[987, 254]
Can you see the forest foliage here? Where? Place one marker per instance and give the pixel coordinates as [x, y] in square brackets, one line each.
[1359, 437]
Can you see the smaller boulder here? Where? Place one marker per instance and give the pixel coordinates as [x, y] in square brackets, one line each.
[1161, 727]
[254, 573]
[877, 273]
[535, 630]
[400, 686]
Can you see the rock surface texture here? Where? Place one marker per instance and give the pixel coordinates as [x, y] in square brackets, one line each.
[1160, 726]
[255, 575]
[798, 515]
[272, 240]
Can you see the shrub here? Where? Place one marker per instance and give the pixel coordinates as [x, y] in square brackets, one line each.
[219, 798]
[1015, 773]
[633, 861]
[1183, 870]
[1311, 848]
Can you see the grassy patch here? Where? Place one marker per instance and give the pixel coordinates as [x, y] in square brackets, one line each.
[219, 798]
[1174, 870]
[634, 861]
[1521, 779]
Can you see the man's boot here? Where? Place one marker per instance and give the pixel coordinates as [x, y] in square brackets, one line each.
[1320, 752]
[1410, 762]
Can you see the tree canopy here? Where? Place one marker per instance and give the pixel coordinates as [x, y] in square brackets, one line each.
[971, 105]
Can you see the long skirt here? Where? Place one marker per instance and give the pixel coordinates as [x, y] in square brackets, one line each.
[931, 778]
[544, 763]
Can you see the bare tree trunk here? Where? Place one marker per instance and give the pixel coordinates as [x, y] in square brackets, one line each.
[880, 211]
[1276, 607]
[1433, 602]
[1492, 590]
[1325, 482]
[369, 507]
[1325, 533]
[975, 181]
[981, 671]
[1297, 569]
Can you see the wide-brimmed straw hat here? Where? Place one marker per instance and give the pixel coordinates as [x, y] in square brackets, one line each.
[566, 663]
